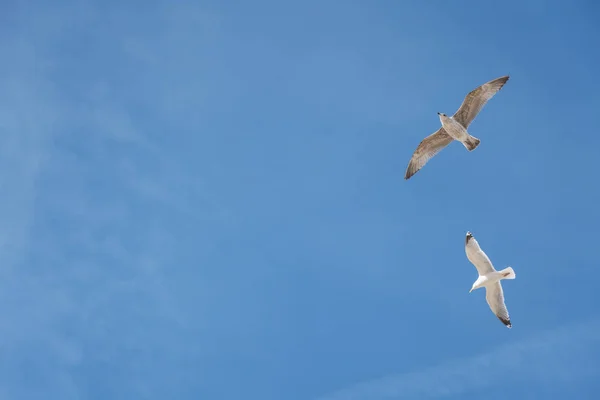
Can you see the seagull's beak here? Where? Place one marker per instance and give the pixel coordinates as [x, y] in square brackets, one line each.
[438, 113]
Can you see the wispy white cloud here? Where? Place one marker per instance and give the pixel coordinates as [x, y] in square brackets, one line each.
[32, 306]
[548, 357]
[87, 241]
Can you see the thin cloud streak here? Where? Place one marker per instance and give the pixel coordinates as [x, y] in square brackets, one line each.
[543, 358]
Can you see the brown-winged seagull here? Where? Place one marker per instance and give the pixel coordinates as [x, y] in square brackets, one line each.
[489, 278]
[455, 127]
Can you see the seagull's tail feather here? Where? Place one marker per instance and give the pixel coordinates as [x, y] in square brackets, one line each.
[508, 273]
[471, 143]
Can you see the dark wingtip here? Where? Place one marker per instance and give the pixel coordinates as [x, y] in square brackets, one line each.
[469, 236]
[506, 322]
[502, 80]
[409, 173]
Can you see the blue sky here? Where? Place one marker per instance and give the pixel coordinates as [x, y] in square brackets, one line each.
[205, 200]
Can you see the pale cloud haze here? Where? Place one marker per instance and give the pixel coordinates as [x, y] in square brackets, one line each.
[206, 200]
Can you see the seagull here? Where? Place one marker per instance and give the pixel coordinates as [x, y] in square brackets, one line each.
[489, 278]
[455, 127]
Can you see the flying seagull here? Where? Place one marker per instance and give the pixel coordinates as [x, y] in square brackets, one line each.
[489, 278]
[455, 127]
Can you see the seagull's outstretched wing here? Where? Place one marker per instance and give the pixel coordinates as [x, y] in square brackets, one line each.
[476, 99]
[477, 256]
[495, 299]
[428, 148]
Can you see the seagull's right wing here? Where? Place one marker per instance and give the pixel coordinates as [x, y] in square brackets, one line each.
[477, 256]
[428, 148]
[495, 299]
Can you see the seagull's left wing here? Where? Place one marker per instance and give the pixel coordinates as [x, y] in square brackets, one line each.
[477, 256]
[476, 99]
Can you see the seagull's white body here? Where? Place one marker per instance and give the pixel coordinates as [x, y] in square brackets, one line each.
[455, 127]
[489, 278]
[457, 131]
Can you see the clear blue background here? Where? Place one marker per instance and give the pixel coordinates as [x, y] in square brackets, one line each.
[205, 200]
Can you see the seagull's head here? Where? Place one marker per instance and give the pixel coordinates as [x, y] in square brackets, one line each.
[442, 116]
[475, 286]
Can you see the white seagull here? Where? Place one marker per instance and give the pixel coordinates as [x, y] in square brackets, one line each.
[489, 278]
[455, 127]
